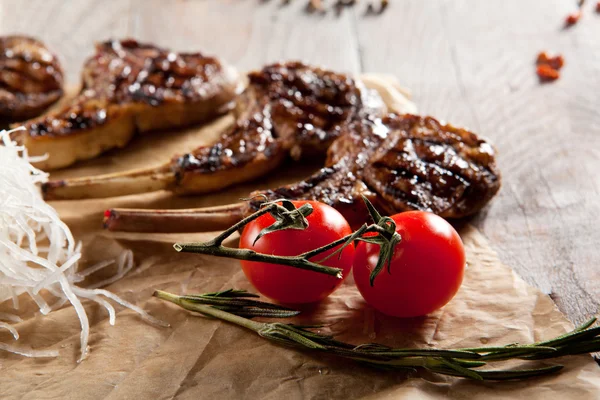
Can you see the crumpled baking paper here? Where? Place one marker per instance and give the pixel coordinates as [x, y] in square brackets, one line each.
[202, 358]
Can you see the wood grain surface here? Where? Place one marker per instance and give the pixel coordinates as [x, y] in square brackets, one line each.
[466, 61]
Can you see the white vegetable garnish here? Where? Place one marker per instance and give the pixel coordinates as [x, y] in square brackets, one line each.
[38, 251]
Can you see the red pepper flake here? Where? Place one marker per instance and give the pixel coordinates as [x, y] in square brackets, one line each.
[548, 66]
[598, 7]
[555, 62]
[572, 18]
[546, 73]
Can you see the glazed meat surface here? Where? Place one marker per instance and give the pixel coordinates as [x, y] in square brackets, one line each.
[128, 88]
[338, 183]
[426, 165]
[402, 163]
[31, 77]
[288, 108]
[127, 75]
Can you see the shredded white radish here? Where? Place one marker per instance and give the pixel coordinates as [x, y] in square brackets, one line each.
[38, 252]
[95, 268]
[125, 265]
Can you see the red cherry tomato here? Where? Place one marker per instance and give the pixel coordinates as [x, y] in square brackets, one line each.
[426, 271]
[292, 285]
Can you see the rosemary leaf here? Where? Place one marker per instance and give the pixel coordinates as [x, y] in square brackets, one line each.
[231, 293]
[459, 368]
[519, 373]
[575, 335]
[231, 301]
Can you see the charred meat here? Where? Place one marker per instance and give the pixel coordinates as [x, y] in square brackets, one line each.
[402, 163]
[287, 109]
[131, 87]
[31, 78]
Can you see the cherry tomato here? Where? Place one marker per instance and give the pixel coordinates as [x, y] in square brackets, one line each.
[426, 271]
[287, 284]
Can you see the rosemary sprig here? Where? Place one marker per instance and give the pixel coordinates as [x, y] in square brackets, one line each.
[233, 301]
[460, 362]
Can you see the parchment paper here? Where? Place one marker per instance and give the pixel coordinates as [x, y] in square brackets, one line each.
[201, 358]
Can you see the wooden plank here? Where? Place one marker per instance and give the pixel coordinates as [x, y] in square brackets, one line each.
[471, 62]
[246, 33]
[250, 34]
[68, 28]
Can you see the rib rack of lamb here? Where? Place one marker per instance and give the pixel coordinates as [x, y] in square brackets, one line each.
[31, 78]
[287, 109]
[130, 87]
[400, 163]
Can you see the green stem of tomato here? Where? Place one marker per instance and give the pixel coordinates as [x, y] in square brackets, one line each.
[210, 248]
[215, 247]
[234, 228]
[312, 253]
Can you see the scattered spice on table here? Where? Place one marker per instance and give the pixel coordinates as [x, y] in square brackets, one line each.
[319, 6]
[546, 73]
[573, 18]
[556, 61]
[548, 66]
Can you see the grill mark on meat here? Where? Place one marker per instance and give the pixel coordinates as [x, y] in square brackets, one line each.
[402, 163]
[124, 75]
[149, 74]
[250, 140]
[287, 108]
[437, 168]
[31, 77]
[308, 104]
[338, 184]
[417, 177]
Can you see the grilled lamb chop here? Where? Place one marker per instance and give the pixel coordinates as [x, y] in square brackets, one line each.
[129, 87]
[399, 162]
[30, 78]
[402, 163]
[287, 109]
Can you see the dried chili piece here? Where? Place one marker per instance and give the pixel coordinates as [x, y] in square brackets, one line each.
[546, 73]
[548, 66]
[598, 7]
[555, 62]
[572, 18]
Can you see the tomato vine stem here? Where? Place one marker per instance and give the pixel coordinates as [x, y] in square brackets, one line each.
[287, 216]
[215, 246]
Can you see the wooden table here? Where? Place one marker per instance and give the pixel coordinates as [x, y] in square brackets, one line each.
[466, 61]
